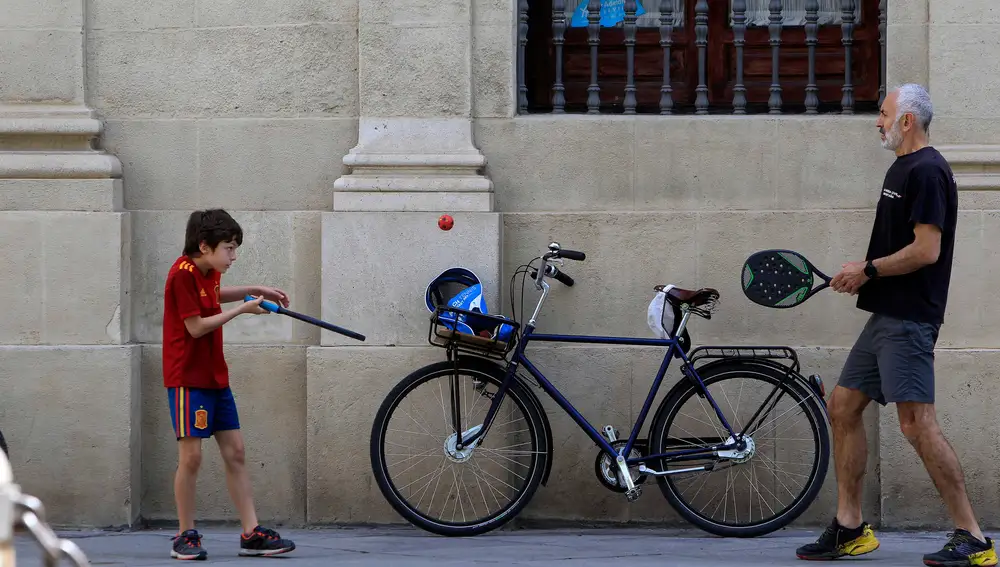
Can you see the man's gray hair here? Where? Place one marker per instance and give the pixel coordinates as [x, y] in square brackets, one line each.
[914, 98]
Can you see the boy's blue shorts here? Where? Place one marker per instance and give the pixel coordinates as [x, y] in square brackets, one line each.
[199, 412]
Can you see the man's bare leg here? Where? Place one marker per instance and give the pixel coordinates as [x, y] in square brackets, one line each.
[847, 535]
[850, 452]
[918, 422]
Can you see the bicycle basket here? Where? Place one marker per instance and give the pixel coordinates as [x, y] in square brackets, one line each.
[495, 344]
[464, 322]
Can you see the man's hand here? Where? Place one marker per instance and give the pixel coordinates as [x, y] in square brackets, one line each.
[272, 293]
[850, 279]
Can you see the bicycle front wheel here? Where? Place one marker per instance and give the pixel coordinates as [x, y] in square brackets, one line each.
[448, 490]
[769, 483]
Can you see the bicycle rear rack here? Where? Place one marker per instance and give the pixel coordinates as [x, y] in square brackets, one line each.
[759, 352]
[746, 352]
[17, 508]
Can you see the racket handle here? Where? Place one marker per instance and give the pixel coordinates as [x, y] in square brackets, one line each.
[265, 305]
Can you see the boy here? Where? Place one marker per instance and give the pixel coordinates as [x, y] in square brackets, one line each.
[197, 378]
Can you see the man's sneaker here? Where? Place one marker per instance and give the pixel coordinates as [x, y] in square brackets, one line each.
[838, 541]
[962, 550]
[264, 542]
[187, 545]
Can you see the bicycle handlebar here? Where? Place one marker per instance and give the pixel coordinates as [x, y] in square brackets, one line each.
[572, 255]
[548, 270]
[553, 272]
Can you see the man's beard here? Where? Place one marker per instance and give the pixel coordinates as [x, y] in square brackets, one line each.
[893, 138]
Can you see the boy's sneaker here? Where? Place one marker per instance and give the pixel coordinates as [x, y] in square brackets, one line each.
[187, 545]
[962, 550]
[838, 541]
[264, 542]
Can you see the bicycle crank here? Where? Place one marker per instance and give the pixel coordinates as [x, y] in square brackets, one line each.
[612, 469]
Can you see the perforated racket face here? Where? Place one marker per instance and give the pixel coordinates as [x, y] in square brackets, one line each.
[777, 279]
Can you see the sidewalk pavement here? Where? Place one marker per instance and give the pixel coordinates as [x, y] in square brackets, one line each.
[404, 546]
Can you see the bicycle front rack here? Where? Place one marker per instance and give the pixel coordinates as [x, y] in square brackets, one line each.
[441, 335]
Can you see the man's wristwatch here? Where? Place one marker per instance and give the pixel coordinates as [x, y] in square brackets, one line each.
[870, 270]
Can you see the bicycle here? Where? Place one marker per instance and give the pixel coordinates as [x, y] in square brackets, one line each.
[622, 465]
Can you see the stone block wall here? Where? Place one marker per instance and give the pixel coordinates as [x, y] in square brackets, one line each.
[336, 133]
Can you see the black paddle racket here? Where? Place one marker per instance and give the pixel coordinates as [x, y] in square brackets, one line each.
[781, 278]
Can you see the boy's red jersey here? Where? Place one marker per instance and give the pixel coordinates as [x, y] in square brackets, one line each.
[187, 361]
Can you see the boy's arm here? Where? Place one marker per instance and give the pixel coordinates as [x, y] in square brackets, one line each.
[199, 326]
[228, 294]
[185, 295]
[231, 293]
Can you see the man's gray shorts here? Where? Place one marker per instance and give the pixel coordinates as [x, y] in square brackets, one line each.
[893, 361]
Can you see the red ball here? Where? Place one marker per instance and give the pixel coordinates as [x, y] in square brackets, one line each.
[445, 222]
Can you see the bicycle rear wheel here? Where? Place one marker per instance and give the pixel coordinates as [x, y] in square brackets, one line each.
[450, 491]
[766, 486]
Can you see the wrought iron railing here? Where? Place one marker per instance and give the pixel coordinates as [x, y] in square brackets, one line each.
[700, 56]
[19, 509]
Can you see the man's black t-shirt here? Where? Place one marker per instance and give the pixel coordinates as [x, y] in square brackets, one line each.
[918, 188]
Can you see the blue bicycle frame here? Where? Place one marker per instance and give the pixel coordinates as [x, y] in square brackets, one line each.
[673, 349]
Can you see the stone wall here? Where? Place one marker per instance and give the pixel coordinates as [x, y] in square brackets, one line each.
[305, 120]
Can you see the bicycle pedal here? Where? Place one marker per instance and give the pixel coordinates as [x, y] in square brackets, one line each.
[633, 495]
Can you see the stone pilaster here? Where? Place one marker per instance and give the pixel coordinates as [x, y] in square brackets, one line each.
[48, 155]
[962, 74]
[906, 42]
[64, 340]
[940, 44]
[945, 45]
[415, 150]
[415, 159]
[962, 77]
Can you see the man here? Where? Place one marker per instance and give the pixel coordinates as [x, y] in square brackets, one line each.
[904, 285]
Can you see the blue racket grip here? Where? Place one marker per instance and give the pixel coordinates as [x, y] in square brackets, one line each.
[266, 305]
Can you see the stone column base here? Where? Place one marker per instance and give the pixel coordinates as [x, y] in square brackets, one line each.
[49, 162]
[414, 164]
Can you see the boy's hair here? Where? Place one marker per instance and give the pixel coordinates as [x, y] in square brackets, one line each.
[212, 226]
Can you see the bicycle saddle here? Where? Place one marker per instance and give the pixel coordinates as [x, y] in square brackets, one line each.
[694, 298]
